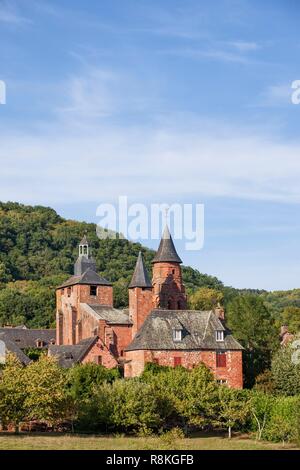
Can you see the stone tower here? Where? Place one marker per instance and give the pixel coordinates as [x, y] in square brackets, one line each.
[168, 288]
[140, 295]
[85, 286]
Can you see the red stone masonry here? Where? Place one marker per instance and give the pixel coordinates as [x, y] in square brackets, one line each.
[232, 374]
[168, 288]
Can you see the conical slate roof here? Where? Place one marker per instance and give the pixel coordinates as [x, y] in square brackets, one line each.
[166, 252]
[140, 276]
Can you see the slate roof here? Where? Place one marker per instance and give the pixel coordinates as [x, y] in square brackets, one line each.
[112, 315]
[83, 263]
[140, 276]
[26, 338]
[166, 251]
[12, 347]
[84, 241]
[198, 332]
[88, 277]
[68, 355]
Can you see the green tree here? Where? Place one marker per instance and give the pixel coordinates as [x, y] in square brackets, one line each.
[134, 406]
[205, 298]
[260, 407]
[291, 317]
[12, 393]
[253, 326]
[233, 408]
[83, 379]
[286, 371]
[46, 398]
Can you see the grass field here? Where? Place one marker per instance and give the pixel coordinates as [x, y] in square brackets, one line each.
[79, 442]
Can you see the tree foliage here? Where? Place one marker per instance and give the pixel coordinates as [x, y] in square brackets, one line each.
[205, 298]
[252, 325]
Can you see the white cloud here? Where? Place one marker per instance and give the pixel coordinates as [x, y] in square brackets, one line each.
[147, 162]
[244, 46]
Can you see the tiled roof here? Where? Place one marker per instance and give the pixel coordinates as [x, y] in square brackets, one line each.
[198, 331]
[140, 276]
[166, 251]
[68, 355]
[106, 312]
[89, 277]
[13, 348]
[27, 338]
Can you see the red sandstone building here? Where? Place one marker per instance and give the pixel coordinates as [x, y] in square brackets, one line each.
[157, 327]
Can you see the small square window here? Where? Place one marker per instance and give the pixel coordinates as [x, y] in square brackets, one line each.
[177, 335]
[93, 290]
[219, 335]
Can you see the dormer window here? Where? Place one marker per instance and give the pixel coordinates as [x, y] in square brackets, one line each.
[39, 343]
[93, 290]
[177, 334]
[219, 335]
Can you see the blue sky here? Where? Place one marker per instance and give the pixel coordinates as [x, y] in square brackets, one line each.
[164, 101]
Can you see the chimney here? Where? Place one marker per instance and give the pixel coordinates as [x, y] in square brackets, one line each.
[220, 312]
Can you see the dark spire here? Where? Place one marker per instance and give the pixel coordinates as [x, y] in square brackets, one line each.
[166, 252]
[140, 276]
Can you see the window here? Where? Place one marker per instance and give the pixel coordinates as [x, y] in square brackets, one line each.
[177, 335]
[219, 335]
[62, 291]
[98, 360]
[222, 381]
[39, 343]
[221, 359]
[173, 271]
[93, 290]
[177, 361]
[69, 291]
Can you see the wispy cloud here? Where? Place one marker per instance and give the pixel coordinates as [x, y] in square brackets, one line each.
[10, 14]
[244, 46]
[276, 96]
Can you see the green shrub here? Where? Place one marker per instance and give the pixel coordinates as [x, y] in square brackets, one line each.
[134, 406]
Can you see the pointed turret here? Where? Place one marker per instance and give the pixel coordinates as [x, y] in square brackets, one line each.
[140, 276]
[166, 252]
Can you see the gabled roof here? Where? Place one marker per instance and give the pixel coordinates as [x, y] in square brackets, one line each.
[198, 332]
[13, 348]
[140, 276]
[110, 314]
[68, 355]
[89, 277]
[166, 251]
[26, 337]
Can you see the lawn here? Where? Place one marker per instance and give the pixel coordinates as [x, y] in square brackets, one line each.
[80, 442]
